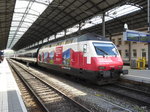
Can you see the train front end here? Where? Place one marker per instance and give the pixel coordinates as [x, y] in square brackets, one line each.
[108, 62]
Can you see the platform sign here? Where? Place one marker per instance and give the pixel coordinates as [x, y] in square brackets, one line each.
[131, 35]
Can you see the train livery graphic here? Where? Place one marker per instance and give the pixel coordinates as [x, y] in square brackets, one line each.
[89, 56]
[66, 57]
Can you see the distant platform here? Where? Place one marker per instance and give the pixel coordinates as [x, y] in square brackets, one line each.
[10, 96]
[137, 75]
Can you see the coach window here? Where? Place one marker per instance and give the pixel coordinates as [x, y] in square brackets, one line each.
[85, 48]
[134, 53]
[143, 53]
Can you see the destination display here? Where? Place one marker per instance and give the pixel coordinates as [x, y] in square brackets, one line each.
[131, 35]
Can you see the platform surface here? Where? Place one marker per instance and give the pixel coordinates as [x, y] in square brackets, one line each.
[10, 96]
[137, 75]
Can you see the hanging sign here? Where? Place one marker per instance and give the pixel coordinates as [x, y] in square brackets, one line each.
[131, 35]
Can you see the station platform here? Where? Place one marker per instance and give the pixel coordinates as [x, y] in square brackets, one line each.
[142, 76]
[10, 96]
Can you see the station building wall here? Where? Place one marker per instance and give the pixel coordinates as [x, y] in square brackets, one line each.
[138, 49]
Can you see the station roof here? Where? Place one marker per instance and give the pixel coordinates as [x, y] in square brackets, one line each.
[62, 14]
[136, 20]
[6, 13]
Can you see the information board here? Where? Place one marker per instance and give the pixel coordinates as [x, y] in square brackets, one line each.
[131, 35]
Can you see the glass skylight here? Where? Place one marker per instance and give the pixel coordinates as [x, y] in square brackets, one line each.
[111, 14]
[25, 13]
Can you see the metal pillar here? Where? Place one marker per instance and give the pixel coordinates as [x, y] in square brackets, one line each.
[130, 52]
[65, 33]
[148, 20]
[103, 23]
[55, 35]
[79, 30]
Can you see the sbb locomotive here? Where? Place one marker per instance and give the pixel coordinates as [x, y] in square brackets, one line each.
[89, 56]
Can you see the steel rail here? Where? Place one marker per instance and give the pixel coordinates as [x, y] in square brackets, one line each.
[82, 107]
[133, 89]
[44, 108]
[122, 91]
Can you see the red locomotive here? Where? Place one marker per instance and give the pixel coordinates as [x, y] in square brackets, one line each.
[89, 56]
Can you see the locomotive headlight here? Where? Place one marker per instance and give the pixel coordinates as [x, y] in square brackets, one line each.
[102, 67]
[120, 66]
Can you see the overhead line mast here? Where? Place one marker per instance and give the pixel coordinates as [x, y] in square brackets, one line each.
[148, 19]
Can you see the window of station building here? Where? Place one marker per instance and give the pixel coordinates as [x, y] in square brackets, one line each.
[63, 42]
[143, 53]
[69, 41]
[113, 40]
[55, 44]
[46, 46]
[50, 45]
[74, 40]
[119, 41]
[134, 53]
[59, 43]
[126, 53]
[126, 42]
[134, 42]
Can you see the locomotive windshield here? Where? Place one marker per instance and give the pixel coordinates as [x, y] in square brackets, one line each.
[105, 49]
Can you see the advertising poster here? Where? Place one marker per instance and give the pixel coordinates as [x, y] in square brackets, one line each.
[58, 55]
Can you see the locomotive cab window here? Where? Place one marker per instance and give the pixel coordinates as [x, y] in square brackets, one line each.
[105, 49]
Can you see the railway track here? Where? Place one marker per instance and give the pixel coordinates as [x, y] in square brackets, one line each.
[50, 98]
[138, 96]
[29, 100]
[124, 92]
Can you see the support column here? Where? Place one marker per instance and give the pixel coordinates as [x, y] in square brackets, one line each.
[79, 30]
[110, 37]
[148, 20]
[103, 24]
[55, 35]
[130, 53]
[65, 32]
